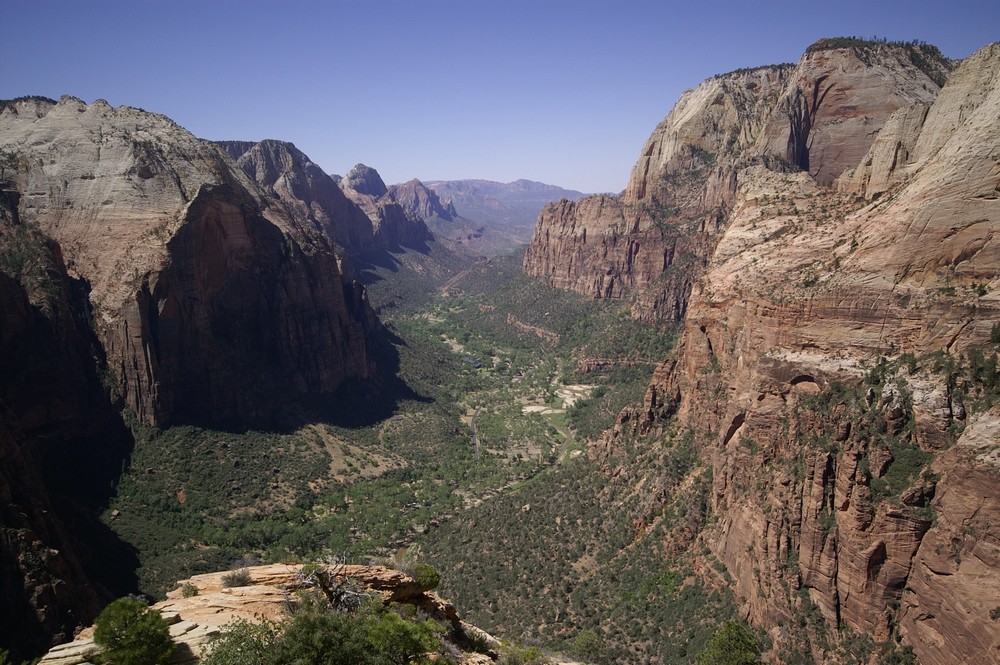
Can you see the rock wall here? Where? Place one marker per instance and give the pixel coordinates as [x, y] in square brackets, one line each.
[652, 242]
[835, 345]
[217, 297]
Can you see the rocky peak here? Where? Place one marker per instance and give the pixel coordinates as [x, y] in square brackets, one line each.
[819, 116]
[31, 105]
[309, 194]
[235, 149]
[365, 180]
[393, 224]
[422, 201]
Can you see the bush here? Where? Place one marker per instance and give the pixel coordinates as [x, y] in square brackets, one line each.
[239, 577]
[517, 655]
[188, 590]
[732, 644]
[588, 646]
[243, 643]
[131, 633]
[374, 635]
[426, 576]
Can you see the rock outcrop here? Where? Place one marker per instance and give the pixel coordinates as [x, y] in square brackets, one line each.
[365, 180]
[215, 299]
[835, 342]
[197, 619]
[652, 242]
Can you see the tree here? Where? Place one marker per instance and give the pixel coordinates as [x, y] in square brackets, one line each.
[132, 633]
[732, 644]
[243, 642]
[588, 646]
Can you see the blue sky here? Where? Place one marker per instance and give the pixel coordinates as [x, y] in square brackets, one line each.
[561, 91]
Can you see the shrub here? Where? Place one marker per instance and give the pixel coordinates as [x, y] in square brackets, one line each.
[588, 646]
[243, 643]
[239, 577]
[131, 633]
[188, 590]
[516, 655]
[374, 636]
[426, 576]
[732, 644]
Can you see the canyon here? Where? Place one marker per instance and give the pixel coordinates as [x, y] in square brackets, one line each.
[822, 444]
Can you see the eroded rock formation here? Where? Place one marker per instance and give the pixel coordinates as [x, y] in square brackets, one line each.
[216, 297]
[142, 269]
[838, 366]
[393, 222]
[652, 242]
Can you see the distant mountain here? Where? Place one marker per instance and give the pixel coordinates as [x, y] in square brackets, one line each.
[509, 209]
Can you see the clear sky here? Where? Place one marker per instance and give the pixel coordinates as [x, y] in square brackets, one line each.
[561, 91]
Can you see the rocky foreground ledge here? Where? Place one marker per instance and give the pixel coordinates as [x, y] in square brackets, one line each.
[196, 620]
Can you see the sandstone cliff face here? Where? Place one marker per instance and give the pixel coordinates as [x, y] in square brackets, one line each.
[842, 500]
[307, 192]
[393, 223]
[422, 201]
[652, 241]
[212, 299]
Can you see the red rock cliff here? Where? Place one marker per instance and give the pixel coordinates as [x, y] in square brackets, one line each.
[651, 242]
[838, 364]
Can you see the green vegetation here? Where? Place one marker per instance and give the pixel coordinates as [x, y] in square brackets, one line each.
[858, 649]
[577, 571]
[374, 635]
[589, 647]
[131, 633]
[426, 576]
[908, 461]
[732, 644]
[554, 370]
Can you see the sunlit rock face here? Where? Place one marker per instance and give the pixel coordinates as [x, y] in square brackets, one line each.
[217, 292]
[653, 241]
[791, 367]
